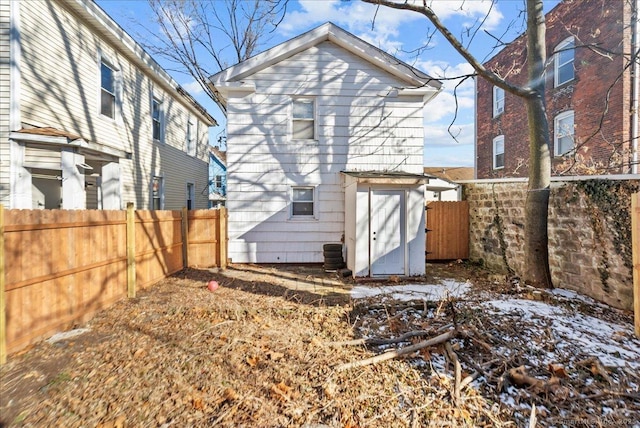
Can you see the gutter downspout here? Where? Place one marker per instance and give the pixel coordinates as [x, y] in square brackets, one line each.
[635, 84]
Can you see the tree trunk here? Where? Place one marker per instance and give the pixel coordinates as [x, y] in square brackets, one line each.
[536, 249]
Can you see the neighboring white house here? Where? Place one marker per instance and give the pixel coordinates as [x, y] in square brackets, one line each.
[325, 142]
[88, 119]
[443, 182]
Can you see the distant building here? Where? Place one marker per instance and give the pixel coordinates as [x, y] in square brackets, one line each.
[88, 120]
[443, 186]
[591, 95]
[217, 177]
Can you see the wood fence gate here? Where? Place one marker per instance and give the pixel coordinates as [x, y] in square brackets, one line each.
[447, 230]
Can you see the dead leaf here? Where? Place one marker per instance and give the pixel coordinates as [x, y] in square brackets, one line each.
[139, 353]
[281, 391]
[197, 403]
[557, 370]
[252, 361]
[275, 356]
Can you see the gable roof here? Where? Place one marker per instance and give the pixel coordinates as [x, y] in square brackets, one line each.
[232, 76]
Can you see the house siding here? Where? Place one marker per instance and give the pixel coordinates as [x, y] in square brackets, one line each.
[5, 84]
[61, 54]
[358, 128]
[599, 95]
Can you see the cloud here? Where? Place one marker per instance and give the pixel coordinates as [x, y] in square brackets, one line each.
[193, 88]
[437, 135]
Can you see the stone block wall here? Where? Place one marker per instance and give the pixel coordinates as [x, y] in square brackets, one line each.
[589, 233]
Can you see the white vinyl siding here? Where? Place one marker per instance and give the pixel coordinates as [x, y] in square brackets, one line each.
[62, 89]
[355, 129]
[564, 62]
[564, 133]
[5, 97]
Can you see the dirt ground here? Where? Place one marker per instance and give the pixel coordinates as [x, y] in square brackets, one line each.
[254, 353]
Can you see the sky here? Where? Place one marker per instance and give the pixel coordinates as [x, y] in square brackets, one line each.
[449, 118]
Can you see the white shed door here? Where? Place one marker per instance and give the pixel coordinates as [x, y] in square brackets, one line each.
[387, 237]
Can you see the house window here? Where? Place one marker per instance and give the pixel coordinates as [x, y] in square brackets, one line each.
[218, 181]
[563, 64]
[191, 137]
[498, 152]
[498, 101]
[303, 119]
[191, 195]
[107, 90]
[302, 200]
[156, 119]
[157, 193]
[563, 133]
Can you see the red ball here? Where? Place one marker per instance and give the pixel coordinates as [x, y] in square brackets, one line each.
[213, 285]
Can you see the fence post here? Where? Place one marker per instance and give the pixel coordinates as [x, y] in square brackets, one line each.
[222, 237]
[635, 248]
[185, 238]
[3, 303]
[131, 251]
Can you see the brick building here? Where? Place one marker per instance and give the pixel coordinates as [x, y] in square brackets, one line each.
[590, 94]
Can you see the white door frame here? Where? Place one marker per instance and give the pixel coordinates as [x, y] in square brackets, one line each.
[377, 266]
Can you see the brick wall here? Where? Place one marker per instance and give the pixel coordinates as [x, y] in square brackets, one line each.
[589, 233]
[599, 94]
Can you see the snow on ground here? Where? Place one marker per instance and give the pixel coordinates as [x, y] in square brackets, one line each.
[573, 333]
[430, 292]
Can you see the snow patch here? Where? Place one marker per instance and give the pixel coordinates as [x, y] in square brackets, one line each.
[405, 292]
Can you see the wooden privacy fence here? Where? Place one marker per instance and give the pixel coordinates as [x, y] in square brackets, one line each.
[58, 267]
[447, 230]
[635, 246]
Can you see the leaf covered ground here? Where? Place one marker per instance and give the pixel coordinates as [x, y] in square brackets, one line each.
[254, 353]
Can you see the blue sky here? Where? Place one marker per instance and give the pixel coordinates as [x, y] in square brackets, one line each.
[404, 34]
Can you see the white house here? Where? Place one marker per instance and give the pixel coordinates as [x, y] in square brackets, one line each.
[325, 142]
[88, 119]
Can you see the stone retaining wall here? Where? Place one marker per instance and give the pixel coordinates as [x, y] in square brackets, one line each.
[589, 233]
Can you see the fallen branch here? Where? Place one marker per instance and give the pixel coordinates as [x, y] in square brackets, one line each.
[400, 352]
[376, 341]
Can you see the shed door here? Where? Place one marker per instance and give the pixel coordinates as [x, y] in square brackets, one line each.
[387, 240]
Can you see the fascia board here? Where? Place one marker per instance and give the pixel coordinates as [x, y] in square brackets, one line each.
[333, 33]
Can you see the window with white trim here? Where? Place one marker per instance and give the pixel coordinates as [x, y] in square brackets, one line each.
[191, 196]
[498, 101]
[563, 133]
[107, 90]
[303, 119]
[156, 119]
[191, 137]
[498, 152]
[302, 202]
[563, 63]
[218, 181]
[157, 193]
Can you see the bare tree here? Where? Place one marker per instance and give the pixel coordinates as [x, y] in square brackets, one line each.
[202, 37]
[537, 271]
